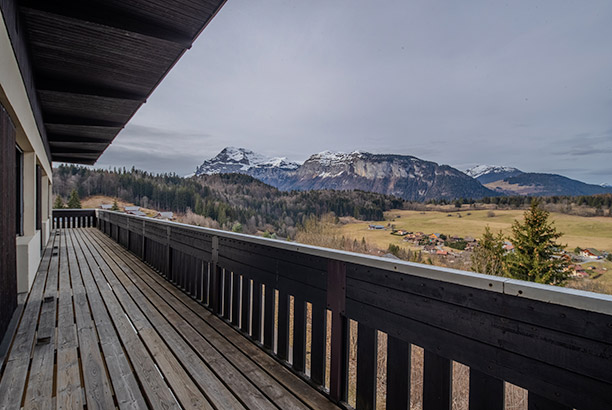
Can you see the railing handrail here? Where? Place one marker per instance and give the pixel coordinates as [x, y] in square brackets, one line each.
[579, 299]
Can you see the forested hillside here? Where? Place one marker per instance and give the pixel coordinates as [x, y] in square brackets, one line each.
[235, 201]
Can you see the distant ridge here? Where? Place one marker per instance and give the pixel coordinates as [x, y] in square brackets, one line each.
[403, 176]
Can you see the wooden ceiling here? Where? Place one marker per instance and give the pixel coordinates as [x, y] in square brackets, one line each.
[96, 62]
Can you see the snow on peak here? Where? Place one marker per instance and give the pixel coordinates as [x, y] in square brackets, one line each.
[233, 159]
[331, 157]
[480, 170]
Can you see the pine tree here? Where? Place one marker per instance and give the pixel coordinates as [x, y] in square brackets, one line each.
[536, 255]
[115, 206]
[59, 203]
[74, 202]
[489, 256]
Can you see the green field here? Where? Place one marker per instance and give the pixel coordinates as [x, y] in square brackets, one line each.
[583, 232]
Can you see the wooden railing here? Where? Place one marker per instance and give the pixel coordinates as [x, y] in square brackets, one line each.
[554, 342]
[74, 218]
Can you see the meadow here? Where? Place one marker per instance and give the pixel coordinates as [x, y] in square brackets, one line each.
[578, 231]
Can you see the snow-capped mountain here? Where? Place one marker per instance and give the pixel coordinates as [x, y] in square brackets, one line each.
[241, 160]
[244, 161]
[491, 173]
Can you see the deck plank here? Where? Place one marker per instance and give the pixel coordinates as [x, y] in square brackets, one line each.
[225, 338]
[156, 390]
[187, 392]
[248, 392]
[98, 394]
[69, 394]
[40, 383]
[112, 333]
[14, 377]
[124, 382]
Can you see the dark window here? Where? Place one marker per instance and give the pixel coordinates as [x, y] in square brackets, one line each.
[38, 197]
[19, 186]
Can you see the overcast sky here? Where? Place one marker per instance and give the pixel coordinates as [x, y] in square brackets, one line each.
[525, 84]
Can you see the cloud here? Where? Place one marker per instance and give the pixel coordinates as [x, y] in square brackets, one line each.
[156, 149]
[522, 85]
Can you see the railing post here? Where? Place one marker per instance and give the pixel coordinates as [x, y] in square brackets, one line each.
[168, 254]
[437, 382]
[336, 302]
[215, 277]
[143, 244]
[486, 392]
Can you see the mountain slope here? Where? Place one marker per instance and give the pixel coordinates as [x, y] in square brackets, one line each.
[491, 173]
[400, 175]
[537, 184]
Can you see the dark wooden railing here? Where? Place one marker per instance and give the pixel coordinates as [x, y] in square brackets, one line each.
[554, 342]
[74, 218]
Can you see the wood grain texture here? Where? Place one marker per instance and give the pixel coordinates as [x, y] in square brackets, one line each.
[274, 380]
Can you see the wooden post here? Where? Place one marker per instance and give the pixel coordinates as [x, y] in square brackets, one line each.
[437, 382]
[215, 277]
[336, 302]
[486, 392]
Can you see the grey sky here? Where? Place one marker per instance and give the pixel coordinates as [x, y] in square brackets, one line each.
[525, 84]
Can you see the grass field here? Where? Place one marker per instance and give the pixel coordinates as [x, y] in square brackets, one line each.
[583, 232]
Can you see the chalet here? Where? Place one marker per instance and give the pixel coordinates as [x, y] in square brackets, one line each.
[168, 216]
[129, 209]
[441, 252]
[106, 206]
[376, 227]
[591, 253]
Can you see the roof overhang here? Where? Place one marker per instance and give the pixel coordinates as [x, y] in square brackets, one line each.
[94, 63]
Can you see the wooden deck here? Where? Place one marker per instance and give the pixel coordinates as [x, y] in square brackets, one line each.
[103, 330]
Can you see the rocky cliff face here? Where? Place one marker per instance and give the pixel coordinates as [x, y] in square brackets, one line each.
[404, 176]
[400, 175]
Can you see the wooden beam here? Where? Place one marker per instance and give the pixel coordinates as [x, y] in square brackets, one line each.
[73, 120]
[104, 14]
[71, 86]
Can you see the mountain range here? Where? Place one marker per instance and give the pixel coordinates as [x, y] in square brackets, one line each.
[512, 181]
[404, 176]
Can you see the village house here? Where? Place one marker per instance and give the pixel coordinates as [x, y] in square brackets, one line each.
[106, 206]
[591, 253]
[168, 216]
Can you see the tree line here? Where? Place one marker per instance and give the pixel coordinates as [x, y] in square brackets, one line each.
[228, 199]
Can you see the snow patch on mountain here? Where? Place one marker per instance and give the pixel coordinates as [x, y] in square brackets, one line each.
[480, 170]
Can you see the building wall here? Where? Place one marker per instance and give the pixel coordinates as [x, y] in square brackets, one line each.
[20, 254]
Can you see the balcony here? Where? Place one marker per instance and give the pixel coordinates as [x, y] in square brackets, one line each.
[133, 312]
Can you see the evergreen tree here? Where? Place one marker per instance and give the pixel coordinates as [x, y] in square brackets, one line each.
[74, 202]
[59, 203]
[489, 256]
[536, 255]
[115, 206]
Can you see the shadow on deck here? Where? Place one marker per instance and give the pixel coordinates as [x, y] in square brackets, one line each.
[101, 329]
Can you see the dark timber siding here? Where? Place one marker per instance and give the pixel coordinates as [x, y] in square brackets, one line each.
[8, 264]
